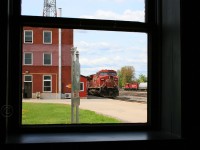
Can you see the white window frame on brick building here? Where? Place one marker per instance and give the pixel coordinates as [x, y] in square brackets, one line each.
[28, 38]
[28, 59]
[44, 59]
[47, 37]
[28, 79]
[47, 80]
[81, 86]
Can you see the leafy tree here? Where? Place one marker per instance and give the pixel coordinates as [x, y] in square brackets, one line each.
[142, 78]
[126, 75]
[120, 78]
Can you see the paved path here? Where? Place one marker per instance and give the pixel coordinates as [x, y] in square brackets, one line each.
[129, 112]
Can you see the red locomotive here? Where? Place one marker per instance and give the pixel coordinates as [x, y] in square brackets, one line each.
[103, 83]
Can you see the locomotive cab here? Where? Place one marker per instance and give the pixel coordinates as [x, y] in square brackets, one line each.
[104, 83]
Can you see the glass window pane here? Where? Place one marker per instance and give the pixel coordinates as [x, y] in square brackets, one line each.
[47, 59]
[127, 10]
[27, 61]
[112, 66]
[27, 78]
[47, 78]
[81, 86]
[28, 36]
[28, 58]
[47, 83]
[47, 89]
[47, 37]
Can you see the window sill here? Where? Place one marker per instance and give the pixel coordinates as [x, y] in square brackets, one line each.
[94, 137]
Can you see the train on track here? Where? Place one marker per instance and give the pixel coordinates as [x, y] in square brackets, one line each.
[135, 86]
[104, 83]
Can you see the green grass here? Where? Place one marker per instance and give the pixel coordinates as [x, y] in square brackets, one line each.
[46, 113]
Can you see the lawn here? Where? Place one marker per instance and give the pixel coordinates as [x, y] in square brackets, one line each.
[47, 113]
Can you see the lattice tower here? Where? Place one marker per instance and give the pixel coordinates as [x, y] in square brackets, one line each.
[50, 8]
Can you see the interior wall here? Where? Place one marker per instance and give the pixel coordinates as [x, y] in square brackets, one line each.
[190, 70]
[171, 67]
[3, 62]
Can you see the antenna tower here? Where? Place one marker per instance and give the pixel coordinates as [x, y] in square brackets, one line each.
[50, 8]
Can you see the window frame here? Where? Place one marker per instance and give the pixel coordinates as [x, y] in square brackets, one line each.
[43, 86]
[25, 36]
[82, 86]
[25, 58]
[25, 75]
[46, 31]
[44, 59]
[148, 27]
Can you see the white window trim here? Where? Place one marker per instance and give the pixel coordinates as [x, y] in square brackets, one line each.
[30, 76]
[43, 37]
[83, 86]
[31, 58]
[43, 59]
[28, 81]
[50, 84]
[25, 34]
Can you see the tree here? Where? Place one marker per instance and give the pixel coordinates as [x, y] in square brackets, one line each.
[142, 78]
[126, 75]
[119, 78]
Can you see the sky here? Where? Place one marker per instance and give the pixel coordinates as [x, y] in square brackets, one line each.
[103, 49]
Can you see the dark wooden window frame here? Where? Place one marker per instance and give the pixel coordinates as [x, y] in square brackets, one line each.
[15, 55]
[149, 27]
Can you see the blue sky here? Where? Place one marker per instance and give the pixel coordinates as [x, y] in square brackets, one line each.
[103, 49]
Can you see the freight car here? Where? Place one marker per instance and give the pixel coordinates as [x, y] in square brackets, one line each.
[104, 83]
[142, 86]
[135, 86]
[131, 86]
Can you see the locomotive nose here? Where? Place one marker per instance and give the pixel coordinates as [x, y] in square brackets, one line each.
[111, 77]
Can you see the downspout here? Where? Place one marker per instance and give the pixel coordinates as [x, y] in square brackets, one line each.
[59, 59]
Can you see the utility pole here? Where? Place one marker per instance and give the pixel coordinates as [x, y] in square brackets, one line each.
[75, 79]
[59, 60]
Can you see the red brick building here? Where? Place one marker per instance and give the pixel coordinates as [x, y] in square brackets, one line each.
[83, 87]
[47, 63]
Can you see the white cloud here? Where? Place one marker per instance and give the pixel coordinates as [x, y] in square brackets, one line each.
[100, 61]
[88, 71]
[128, 15]
[92, 64]
[112, 53]
[97, 47]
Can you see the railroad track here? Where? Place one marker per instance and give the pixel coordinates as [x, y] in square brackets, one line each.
[131, 96]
